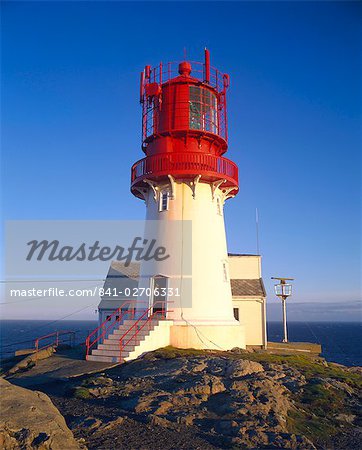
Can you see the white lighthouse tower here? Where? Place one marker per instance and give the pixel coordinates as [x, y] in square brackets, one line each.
[185, 178]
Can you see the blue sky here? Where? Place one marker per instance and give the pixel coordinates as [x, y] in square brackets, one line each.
[71, 122]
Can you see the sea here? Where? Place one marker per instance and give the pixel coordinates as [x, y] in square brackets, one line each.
[341, 341]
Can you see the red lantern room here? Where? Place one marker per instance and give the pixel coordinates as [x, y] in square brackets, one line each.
[184, 125]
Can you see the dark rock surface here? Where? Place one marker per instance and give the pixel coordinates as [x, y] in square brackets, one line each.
[187, 399]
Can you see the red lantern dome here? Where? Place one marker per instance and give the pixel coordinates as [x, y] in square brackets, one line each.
[184, 125]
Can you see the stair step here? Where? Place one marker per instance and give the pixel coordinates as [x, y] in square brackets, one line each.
[143, 331]
[129, 322]
[110, 359]
[121, 330]
[115, 341]
[129, 336]
[115, 353]
[116, 347]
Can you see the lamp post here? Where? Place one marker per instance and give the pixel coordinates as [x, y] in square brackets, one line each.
[283, 290]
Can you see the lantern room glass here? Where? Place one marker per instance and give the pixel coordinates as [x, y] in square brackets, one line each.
[203, 110]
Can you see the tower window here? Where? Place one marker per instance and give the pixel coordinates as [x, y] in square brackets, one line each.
[164, 200]
[225, 271]
[218, 206]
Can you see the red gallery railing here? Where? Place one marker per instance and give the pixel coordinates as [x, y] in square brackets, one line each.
[186, 164]
[143, 323]
[107, 326]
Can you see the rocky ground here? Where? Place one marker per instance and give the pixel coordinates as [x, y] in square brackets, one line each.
[173, 399]
[30, 420]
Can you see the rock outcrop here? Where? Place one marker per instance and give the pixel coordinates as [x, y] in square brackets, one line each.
[229, 401]
[193, 399]
[29, 420]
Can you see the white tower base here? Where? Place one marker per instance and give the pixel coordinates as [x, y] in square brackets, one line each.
[186, 217]
[216, 337]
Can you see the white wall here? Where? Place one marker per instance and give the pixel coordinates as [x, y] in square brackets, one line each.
[205, 295]
[245, 267]
[157, 338]
[252, 315]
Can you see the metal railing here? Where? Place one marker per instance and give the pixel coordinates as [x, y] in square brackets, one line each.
[145, 322]
[164, 73]
[54, 340]
[184, 164]
[105, 328]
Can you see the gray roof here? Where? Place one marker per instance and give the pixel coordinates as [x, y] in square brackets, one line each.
[248, 288]
[130, 271]
[111, 303]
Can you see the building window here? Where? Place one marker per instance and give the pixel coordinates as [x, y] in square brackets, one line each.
[225, 271]
[108, 318]
[218, 206]
[236, 313]
[203, 109]
[164, 200]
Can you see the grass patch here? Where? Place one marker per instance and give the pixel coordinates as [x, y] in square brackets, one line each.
[172, 352]
[320, 399]
[314, 417]
[81, 393]
[317, 429]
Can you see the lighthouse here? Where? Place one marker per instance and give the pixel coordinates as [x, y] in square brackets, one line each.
[196, 294]
[185, 177]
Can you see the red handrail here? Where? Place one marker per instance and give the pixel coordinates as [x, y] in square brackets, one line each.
[145, 322]
[121, 313]
[56, 334]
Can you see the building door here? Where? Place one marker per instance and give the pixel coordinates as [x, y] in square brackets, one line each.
[158, 298]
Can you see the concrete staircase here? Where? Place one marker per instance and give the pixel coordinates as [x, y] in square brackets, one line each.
[149, 336]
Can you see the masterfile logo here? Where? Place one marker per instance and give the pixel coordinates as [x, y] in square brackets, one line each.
[138, 251]
[60, 260]
[72, 249]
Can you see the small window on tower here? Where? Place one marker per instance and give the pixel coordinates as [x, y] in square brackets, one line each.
[218, 206]
[225, 271]
[164, 199]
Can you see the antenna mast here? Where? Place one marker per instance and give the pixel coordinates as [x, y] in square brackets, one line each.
[257, 231]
